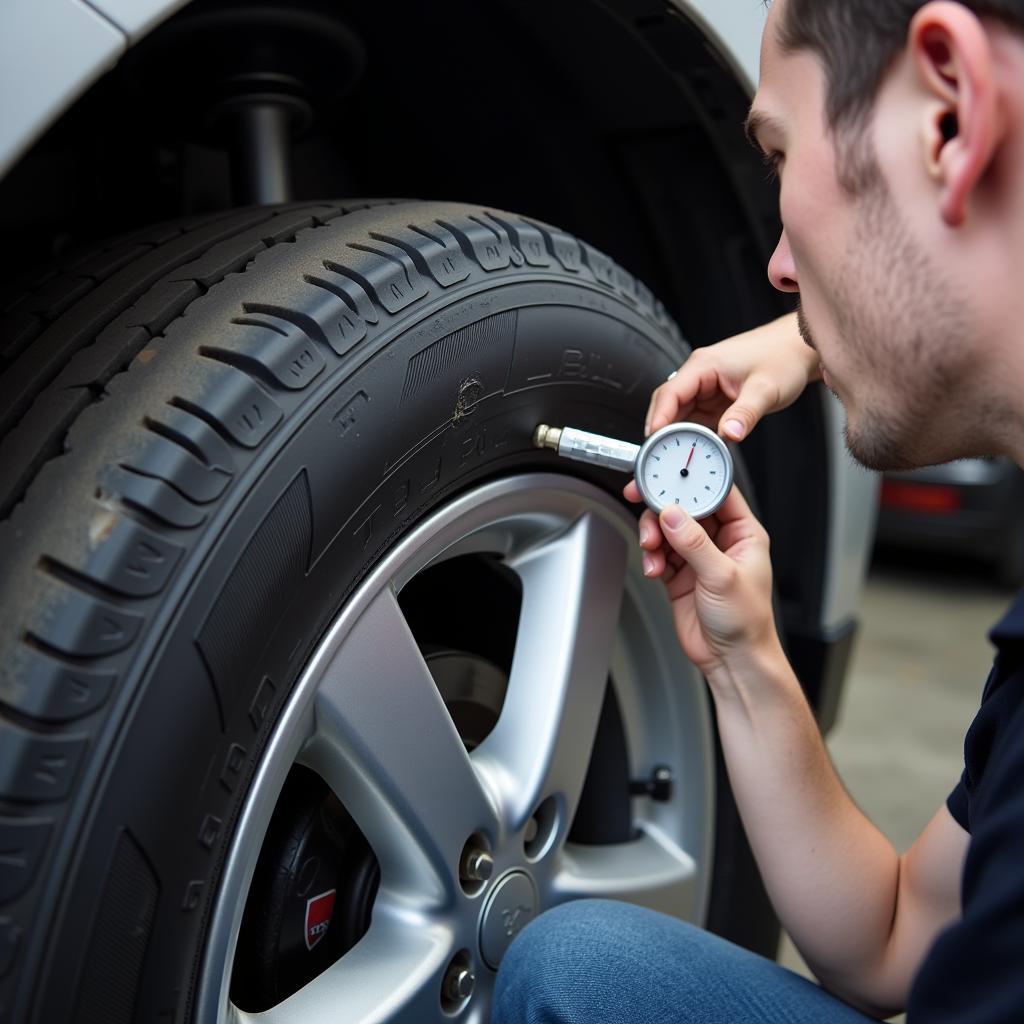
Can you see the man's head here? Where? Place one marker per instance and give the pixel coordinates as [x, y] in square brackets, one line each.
[897, 129]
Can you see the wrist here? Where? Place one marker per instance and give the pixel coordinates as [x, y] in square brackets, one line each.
[755, 672]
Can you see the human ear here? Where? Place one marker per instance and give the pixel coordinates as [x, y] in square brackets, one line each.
[954, 64]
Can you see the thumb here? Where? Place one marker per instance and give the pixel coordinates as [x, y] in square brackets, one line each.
[756, 398]
[690, 540]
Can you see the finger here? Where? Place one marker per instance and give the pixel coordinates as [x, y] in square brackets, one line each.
[653, 546]
[651, 538]
[677, 394]
[692, 394]
[631, 492]
[654, 563]
[667, 401]
[691, 542]
[757, 397]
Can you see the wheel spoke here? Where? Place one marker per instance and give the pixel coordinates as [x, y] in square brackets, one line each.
[651, 871]
[394, 974]
[385, 743]
[572, 590]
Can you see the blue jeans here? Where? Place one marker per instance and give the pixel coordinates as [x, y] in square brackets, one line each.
[604, 962]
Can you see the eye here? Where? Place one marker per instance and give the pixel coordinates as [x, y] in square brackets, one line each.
[772, 161]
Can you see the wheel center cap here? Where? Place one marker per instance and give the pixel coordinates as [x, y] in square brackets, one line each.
[511, 906]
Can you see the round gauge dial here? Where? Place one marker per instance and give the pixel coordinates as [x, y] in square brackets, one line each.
[684, 464]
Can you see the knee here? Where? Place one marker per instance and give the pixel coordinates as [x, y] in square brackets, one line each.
[579, 955]
[538, 972]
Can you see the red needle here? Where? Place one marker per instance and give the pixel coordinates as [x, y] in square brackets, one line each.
[690, 459]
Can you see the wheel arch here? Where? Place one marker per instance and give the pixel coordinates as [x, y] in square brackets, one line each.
[663, 129]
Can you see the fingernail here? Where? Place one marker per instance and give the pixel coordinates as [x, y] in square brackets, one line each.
[647, 428]
[648, 565]
[734, 428]
[673, 517]
[644, 535]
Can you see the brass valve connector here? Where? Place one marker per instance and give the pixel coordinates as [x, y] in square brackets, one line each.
[547, 437]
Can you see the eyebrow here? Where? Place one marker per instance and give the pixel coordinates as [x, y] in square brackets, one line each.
[757, 122]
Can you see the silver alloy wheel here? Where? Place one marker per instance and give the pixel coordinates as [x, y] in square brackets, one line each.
[367, 716]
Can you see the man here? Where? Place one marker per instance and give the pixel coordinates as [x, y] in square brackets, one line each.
[897, 131]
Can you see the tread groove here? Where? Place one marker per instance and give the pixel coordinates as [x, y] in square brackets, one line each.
[78, 580]
[32, 723]
[167, 481]
[36, 642]
[300, 320]
[244, 364]
[186, 444]
[484, 225]
[199, 412]
[319, 282]
[357, 279]
[252, 321]
[426, 234]
[410, 250]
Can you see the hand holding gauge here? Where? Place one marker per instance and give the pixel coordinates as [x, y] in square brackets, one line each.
[683, 464]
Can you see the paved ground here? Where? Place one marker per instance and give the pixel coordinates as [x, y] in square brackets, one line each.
[917, 674]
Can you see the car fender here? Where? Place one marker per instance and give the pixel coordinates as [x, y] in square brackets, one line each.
[51, 51]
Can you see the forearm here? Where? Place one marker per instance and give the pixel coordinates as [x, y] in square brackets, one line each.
[832, 876]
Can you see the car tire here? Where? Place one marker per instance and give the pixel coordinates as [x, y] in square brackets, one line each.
[215, 433]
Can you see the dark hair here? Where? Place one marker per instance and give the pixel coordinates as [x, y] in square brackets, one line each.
[857, 41]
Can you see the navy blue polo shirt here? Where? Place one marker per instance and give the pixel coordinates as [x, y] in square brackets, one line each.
[974, 973]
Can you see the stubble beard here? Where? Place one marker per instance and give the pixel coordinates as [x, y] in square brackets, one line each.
[903, 329]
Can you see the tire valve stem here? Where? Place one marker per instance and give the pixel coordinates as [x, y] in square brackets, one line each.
[583, 446]
[658, 786]
[459, 983]
[547, 437]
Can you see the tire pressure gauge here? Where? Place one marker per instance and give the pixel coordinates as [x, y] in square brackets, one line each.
[682, 464]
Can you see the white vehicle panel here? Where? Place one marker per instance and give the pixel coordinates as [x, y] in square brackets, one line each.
[136, 17]
[51, 51]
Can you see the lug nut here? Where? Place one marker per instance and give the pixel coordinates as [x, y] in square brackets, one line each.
[458, 983]
[477, 866]
[532, 828]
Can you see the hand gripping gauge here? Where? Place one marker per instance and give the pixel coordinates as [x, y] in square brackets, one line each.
[682, 464]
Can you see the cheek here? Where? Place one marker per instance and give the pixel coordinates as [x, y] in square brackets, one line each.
[807, 206]
[815, 217]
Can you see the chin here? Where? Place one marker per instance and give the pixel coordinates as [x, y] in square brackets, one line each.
[883, 452]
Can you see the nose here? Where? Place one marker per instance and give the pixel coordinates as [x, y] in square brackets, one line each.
[781, 268]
